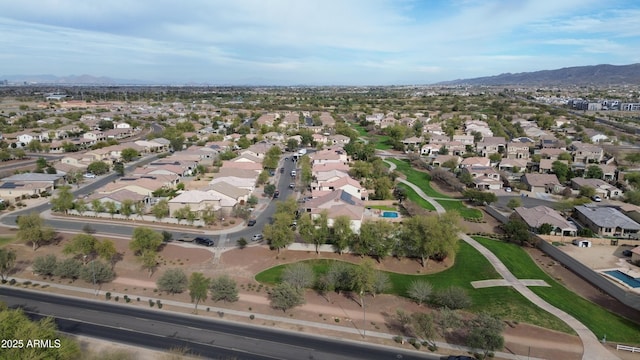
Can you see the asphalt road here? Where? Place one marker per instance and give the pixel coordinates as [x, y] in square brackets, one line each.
[213, 339]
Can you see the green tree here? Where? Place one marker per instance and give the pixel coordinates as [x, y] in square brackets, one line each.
[545, 229]
[97, 272]
[139, 208]
[269, 189]
[424, 327]
[98, 168]
[149, 260]
[223, 288]
[68, 268]
[485, 333]
[161, 209]
[432, 236]
[594, 172]
[479, 196]
[285, 296]
[129, 154]
[111, 207]
[80, 206]
[63, 201]
[514, 203]
[299, 274]
[517, 231]
[198, 288]
[14, 324]
[173, 281]
[587, 191]
[342, 232]
[118, 168]
[107, 251]
[363, 279]
[452, 297]
[376, 239]
[84, 245]
[562, 171]
[292, 144]
[633, 157]
[420, 291]
[279, 234]
[126, 207]
[145, 239]
[7, 262]
[45, 265]
[97, 206]
[31, 229]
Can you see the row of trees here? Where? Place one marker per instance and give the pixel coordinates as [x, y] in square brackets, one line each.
[96, 271]
[222, 288]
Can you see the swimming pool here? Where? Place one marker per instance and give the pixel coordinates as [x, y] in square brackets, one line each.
[389, 214]
[631, 281]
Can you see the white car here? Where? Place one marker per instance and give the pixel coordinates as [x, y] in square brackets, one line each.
[507, 189]
[596, 198]
[257, 237]
[89, 176]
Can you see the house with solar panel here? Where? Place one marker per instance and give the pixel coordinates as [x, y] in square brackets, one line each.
[607, 221]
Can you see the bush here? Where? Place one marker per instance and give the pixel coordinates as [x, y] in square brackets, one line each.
[68, 268]
[398, 339]
[453, 297]
[45, 265]
[12, 282]
[173, 281]
[151, 303]
[107, 295]
[116, 298]
[252, 316]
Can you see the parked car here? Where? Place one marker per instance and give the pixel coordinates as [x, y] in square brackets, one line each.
[626, 252]
[204, 241]
[185, 238]
[257, 237]
[271, 172]
[89, 176]
[281, 170]
[596, 198]
[276, 194]
[251, 222]
[292, 186]
[507, 189]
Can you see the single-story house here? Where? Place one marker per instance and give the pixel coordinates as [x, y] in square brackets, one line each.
[607, 221]
[537, 216]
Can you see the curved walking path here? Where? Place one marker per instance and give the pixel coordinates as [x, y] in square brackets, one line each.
[593, 349]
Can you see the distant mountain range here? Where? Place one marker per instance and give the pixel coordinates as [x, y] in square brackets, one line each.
[578, 75]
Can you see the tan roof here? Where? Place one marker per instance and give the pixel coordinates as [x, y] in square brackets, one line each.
[229, 189]
[541, 179]
[118, 196]
[241, 173]
[247, 165]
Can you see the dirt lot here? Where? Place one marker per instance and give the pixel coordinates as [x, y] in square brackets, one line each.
[242, 265]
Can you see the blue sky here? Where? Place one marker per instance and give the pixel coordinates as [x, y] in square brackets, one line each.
[312, 42]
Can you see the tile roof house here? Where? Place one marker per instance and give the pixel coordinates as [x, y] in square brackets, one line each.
[475, 161]
[602, 188]
[536, 216]
[513, 164]
[484, 177]
[348, 184]
[542, 183]
[586, 153]
[518, 150]
[607, 221]
[491, 145]
[337, 203]
[199, 201]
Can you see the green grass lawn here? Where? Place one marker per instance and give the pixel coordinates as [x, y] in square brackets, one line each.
[383, 207]
[597, 319]
[360, 129]
[413, 196]
[469, 266]
[419, 178]
[6, 240]
[458, 205]
[422, 179]
[382, 142]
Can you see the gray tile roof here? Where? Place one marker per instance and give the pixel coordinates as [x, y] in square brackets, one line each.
[607, 217]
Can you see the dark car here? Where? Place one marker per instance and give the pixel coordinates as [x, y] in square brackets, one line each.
[204, 241]
[626, 252]
[281, 170]
[460, 357]
[276, 194]
[251, 222]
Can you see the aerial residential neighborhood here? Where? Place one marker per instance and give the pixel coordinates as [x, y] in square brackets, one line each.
[220, 183]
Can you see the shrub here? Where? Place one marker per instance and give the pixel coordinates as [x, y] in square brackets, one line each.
[151, 303]
[107, 295]
[116, 298]
[12, 282]
[252, 316]
[398, 339]
[173, 281]
[453, 297]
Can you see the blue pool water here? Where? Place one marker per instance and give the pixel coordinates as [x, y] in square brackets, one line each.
[389, 214]
[633, 282]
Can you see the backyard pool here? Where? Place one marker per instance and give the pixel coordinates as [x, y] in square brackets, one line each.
[389, 214]
[631, 281]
